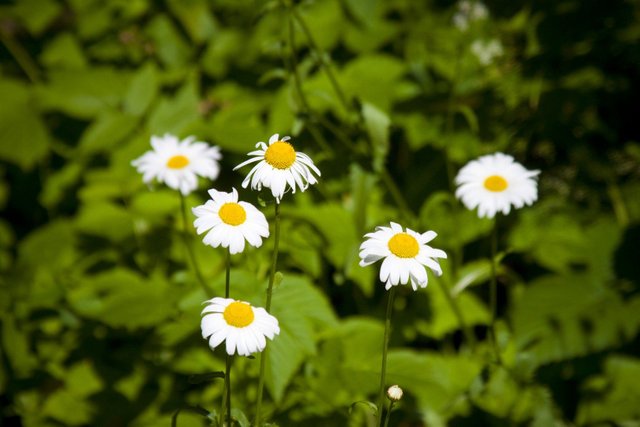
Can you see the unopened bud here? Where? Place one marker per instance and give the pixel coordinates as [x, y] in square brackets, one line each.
[394, 393]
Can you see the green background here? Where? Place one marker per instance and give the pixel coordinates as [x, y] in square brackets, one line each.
[99, 308]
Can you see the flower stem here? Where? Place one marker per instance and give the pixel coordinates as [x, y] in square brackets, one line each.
[227, 371]
[263, 355]
[468, 333]
[187, 243]
[493, 291]
[385, 346]
[386, 418]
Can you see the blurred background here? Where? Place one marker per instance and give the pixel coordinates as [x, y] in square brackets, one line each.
[99, 306]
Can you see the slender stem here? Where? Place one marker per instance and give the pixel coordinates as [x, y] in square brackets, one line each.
[263, 355]
[187, 243]
[227, 371]
[323, 59]
[468, 334]
[385, 346]
[397, 195]
[227, 280]
[227, 379]
[297, 83]
[386, 418]
[22, 57]
[493, 290]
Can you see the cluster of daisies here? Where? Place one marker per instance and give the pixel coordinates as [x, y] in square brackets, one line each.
[228, 222]
[491, 184]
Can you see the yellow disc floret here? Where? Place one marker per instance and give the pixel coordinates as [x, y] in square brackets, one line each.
[177, 162]
[280, 155]
[496, 183]
[238, 314]
[404, 245]
[232, 213]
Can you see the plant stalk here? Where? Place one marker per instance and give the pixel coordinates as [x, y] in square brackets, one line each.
[385, 347]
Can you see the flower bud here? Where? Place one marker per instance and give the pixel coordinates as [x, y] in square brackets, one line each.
[394, 393]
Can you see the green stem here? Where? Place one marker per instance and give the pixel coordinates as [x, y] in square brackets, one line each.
[468, 334]
[323, 58]
[22, 57]
[297, 83]
[386, 418]
[263, 355]
[187, 243]
[227, 380]
[493, 290]
[227, 371]
[397, 196]
[385, 346]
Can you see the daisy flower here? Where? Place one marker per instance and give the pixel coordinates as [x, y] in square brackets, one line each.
[230, 222]
[279, 165]
[178, 163]
[242, 326]
[495, 182]
[405, 254]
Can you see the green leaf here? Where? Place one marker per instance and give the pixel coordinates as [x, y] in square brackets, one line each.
[106, 220]
[301, 311]
[24, 136]
[37, 15]
[377, 125]
[170, 46]
[71, 410]
[106, 132]
[64, 52]
[195, 17]
[435, 380]
[561, 317]
[612, 396]
[143, 89]
[50, 246]
[83, 93]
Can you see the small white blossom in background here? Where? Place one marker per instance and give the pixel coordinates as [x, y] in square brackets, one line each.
[178, 163]
[487, 51]
[243, 328]
[229, 223]
[279, 166]
[405, 254]
[394, 393]
[495, 182]
[468, 12]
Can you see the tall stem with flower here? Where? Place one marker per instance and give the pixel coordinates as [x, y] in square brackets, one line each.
[405, 255]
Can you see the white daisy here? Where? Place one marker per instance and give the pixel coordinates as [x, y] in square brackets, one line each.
[405, 254]
[494, 182]
[230, 222]
[242, 326]
[487, 51]
[279, 165]
[178, 163]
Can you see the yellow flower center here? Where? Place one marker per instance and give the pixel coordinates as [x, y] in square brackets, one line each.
[238, 314]
[232, 214]
[404, 246]
[496, 183]
[177, 162]
[280, 155]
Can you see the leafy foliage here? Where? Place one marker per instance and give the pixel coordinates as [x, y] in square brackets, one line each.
[100, 305]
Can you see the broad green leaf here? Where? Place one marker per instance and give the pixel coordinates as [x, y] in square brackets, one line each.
[142, 90]
[24, 136]
[64, 52]
[50, 247]
[83, 93]
[171, 47]
[377, 125]
[37, 15]
[437, 381]
[68, 408]
[301, 311]
[195, 16]
[106, 132]
[561, 317]
[613, 395]
[106, 220]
